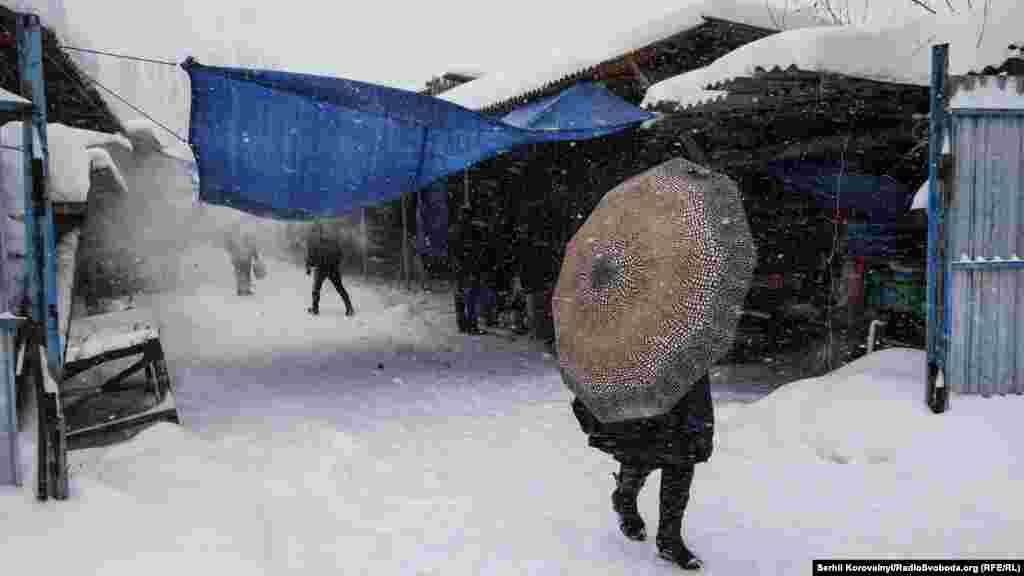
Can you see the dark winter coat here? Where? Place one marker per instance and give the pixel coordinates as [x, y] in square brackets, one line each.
[323, 248]
[468, 260]
[682, 436]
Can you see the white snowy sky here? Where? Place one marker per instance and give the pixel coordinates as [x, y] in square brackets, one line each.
[400, 44]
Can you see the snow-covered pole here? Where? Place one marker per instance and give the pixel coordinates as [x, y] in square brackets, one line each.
[936, 356]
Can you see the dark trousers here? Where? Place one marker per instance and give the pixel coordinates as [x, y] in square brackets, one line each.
[243, 275]
[467, 304]
[487, 302]
[471, 299]
[673, 496]
[333, 273]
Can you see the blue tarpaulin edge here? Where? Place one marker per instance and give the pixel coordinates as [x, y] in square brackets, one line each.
[295, 146]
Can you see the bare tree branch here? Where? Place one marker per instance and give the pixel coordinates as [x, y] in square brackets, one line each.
[984, 23]
[950, 4]
[827, 6]
[922, 4]
[771, 14]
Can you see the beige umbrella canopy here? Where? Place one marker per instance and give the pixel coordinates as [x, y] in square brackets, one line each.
[651, 289]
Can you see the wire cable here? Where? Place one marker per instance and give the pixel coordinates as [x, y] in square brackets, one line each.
[137, 109]
[115, 94]
[123, 56]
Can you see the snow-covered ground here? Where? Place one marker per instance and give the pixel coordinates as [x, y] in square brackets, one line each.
[388, 444]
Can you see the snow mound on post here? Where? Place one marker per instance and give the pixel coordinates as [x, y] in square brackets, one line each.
[149, 136]
[100, 159]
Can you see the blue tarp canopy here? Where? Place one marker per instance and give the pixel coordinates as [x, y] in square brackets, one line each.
[585, 106]
[882, 198]
[294, 146]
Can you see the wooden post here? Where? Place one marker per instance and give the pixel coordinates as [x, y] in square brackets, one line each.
[406, 277]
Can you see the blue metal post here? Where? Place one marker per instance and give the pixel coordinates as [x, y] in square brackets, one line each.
[10, 471]
[40, 261]
[936, 338]
[41, 256]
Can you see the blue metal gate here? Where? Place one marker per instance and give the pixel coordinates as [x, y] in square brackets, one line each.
[985, 236]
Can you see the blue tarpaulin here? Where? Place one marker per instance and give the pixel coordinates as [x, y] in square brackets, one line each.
[294, 146]
[579, 106]
[882, 198]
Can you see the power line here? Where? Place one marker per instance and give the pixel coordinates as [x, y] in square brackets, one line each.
[136, 108]
[63, 68]
[124, 56]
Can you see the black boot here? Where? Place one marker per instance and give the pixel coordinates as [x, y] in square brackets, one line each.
[628, 483]
[674, 496]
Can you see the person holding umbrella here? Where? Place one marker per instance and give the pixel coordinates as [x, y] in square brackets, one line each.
[648, 298]
[674, 442]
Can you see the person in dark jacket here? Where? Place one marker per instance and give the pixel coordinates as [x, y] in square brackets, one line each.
[243, 253]
[323, 252]
[674, 442]
[467, 268]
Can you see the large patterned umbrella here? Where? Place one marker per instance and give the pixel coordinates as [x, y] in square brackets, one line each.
[651, 290]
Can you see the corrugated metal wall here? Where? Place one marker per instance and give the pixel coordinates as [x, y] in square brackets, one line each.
[986, 221]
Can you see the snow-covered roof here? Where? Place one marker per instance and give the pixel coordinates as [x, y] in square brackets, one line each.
[988, 92]
[531, 75]
[6, 96]
[70, 160]
[899, 54]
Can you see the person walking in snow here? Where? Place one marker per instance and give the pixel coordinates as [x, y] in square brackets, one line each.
[467, 268]
[323, 252]
[244, 255]
[674, 442]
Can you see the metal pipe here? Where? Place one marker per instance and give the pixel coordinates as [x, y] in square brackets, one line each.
[873, 334]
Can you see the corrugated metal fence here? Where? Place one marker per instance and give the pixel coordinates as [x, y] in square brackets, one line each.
[986, 248]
